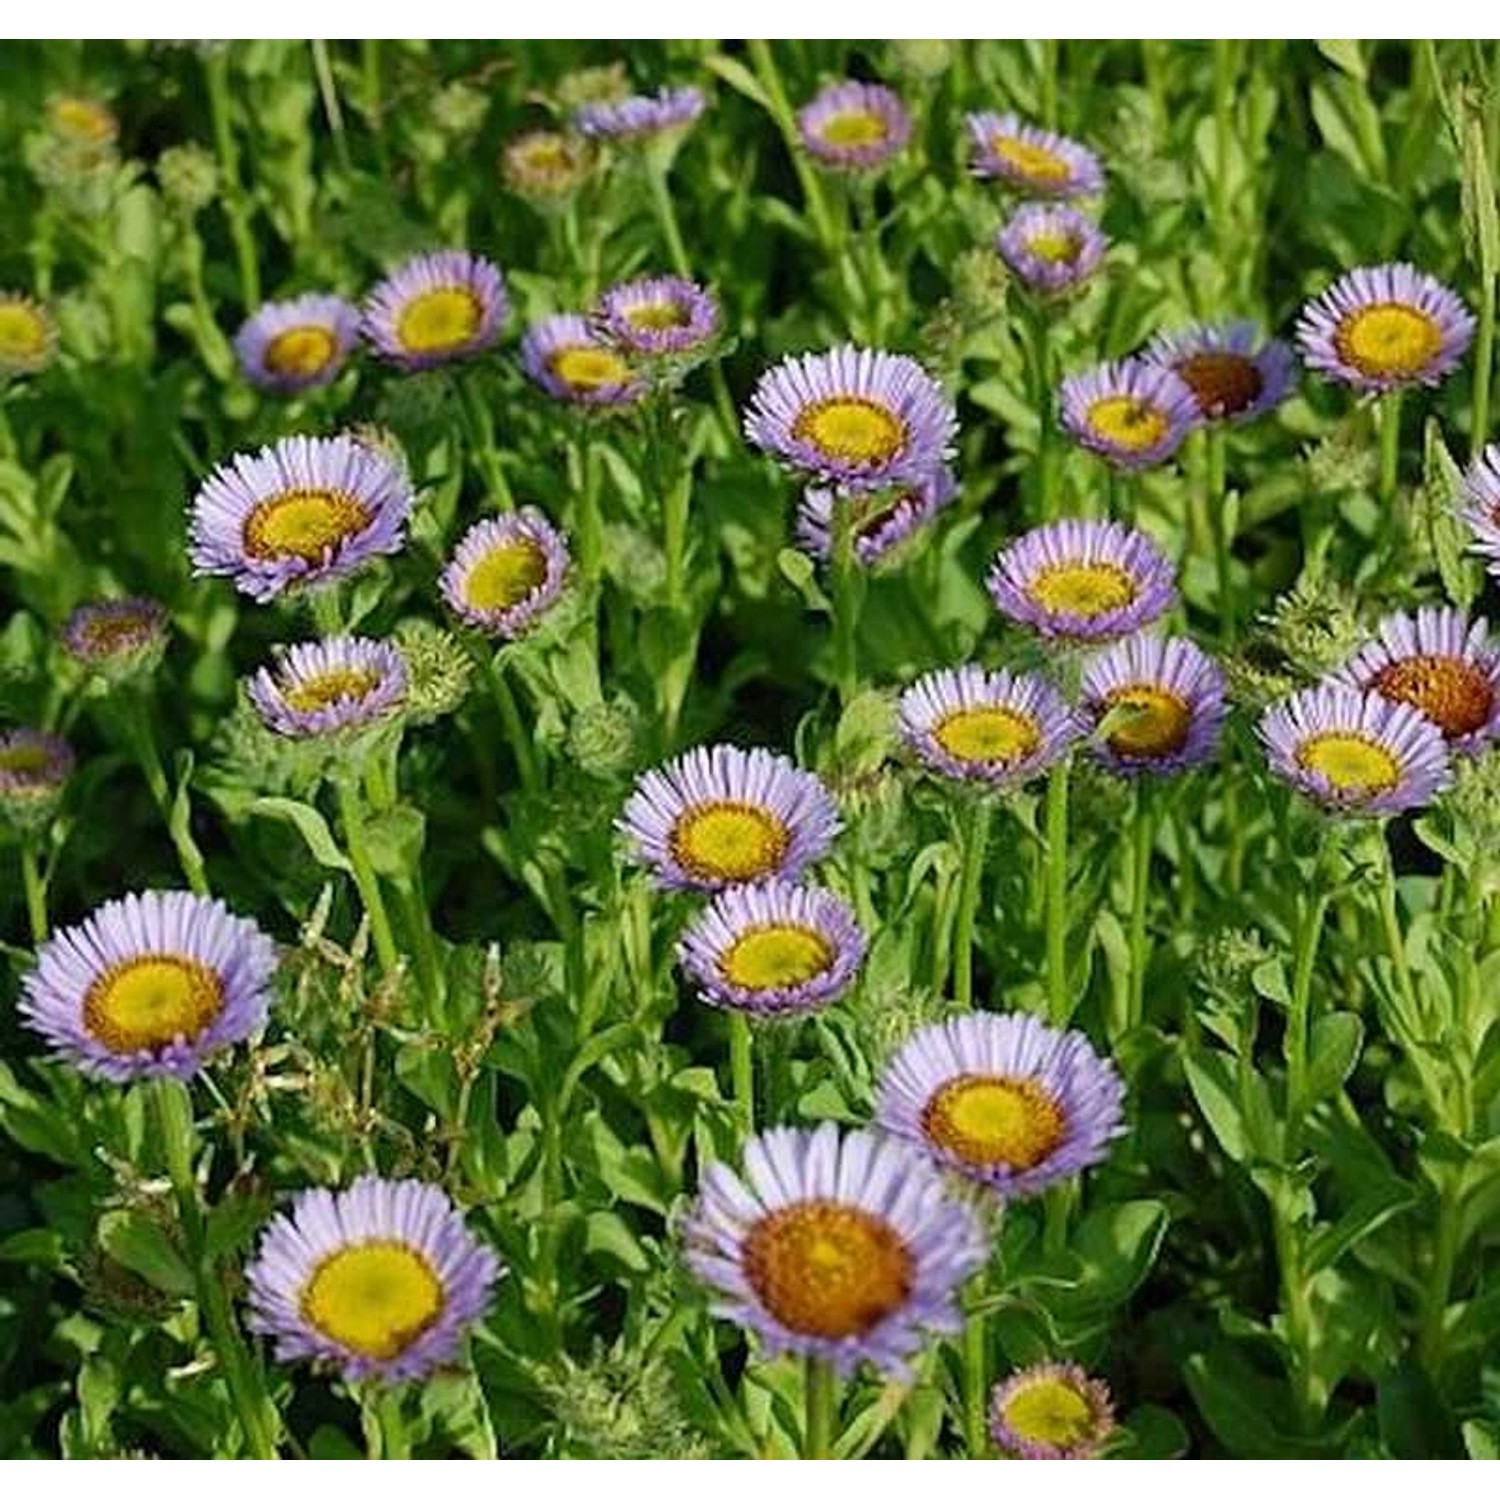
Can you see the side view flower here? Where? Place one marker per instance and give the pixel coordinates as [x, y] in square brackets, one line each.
[1030, 160]
[1234, 374]
[568, 360]
[324, 687]
[884, 520]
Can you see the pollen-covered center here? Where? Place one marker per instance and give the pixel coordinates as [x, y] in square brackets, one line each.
[1058, 247]
[1222, 383]
[1453, 693]
[146, 1003]
[547, 156]
[24, 332]
[1148, 721]
[505, 575]
[729, 841]
[852, 429]
[84, 120]
[376, 1299]
[988, 735]
[854, 127]
[1050, 1411]
[657, 316]
[776, 957]
[1031, 161]
[444, 318]
[304, 523]
[1082, 588]
[993, 1121]
[1350, 763]
[301, 353]
[586, 368]
[1389, 340]
[827, 1270]
[28, 762]
[1128, 422]
[337, 685]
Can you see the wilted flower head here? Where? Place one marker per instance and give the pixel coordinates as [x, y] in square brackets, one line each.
[545, 166]
[189, 177]
[34, 767]
[117, 638]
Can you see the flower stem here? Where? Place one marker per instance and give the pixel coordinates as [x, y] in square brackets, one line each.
[1059, 1007]
[742, 1070]
[1389, 418]
[143, 736]
[1040, 349]
[763, 60]
[1484, 360]
[36, 891]
[510, 713]
[236, 210]
[351, 813]
[976, 1384]
[1309, 931]
[822, 1398]
[847, 588]
[975, 838]
[1223, 540]
[479, 429]
[1140, 887]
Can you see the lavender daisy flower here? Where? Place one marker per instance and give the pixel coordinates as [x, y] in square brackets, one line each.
[858, 418]
[564, 356]
[846, 1249]
[854, 126]
[656, 316]
[1380, 328]
[1050, 1411]
[302, 512]
[295, 345]
[317, 688]
[506, 572]
[1233, 374]
[720, 816]
[1130, 412]
[1159, 702]
[1354, 752]
[883, 522]
[34, 765]
[116, 636]
[1032, 160]
[1004, 1100]
[442, 306]
[1440, 663]
[382, 1281]
[1051, 248]
[988, 727]
[545, 166]
[150, 985]
[28, 335]
[773, 949]
[641, 115]
[1083, 580]
[1479, 506]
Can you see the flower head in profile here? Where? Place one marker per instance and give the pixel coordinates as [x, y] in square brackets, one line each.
[1234, 374]
[436, 308]
[1083, 580]
[34, 769]
[1132, 413]
[641, 116]
[862, 419]
[381, 1281]
[340, 684]
[844, 1248]
[301, 512]
[1051, 248]
[1157, 703]
[1381, 328]
[1050, 1411]
[28, 335]
[150, 985]
[1031, 161]
[656, 317]
[884, 520]
[1355, 753]
[1004, 1100]
[1479, 506]
[993, 728]
[117, 638]
[854, 126]
[720, 816]
[506, 573]
[297, 345]
[570, 361]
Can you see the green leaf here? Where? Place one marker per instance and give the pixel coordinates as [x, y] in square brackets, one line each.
[142, 1245]
[232, 1223]
[1117, 1245]
[739, 78]
[395, 840]
[1330, 1243]
[1346, 56]
[1210, 1076]
[310, 823]
[1333, 1051]
[1415, 1421]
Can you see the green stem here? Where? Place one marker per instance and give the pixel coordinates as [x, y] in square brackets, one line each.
[328, 91]
[1431, 1337]
[174, 1115]
[1224, 71]
[1309, 932]
[510, 714]
[1059, 1002]
[975, 839]
[395, 1441]
[1140, 889]
[351, 813]
[370, 71]
[976, 1382]
[763, 60]
[236, 210]
[1039, 348]
[822, 1398]
[1484, 361]
[1389, 418]
[1223, 538]
[742, 1070]
[583, 475]
[36, 891]
[1395, 941]
[479, 427]
[1297, 1307]
[847, 588]
[143, 736]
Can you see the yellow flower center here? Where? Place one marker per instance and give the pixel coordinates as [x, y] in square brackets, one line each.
[851, 428]
[545, 156]
[776, 958]
[1390, 339]
[1128, 423]
[340, 685]
[1455, 695]
[827, 1270]
[1031, 161]
[84, 120]
[729, 841]
[376, 1299]
[1147, 721]
[586, 368]
[301, 352]
[24, 760]
[505, 575]
[1050, 1411]
[444, 318]
[656, 315]
[1083, 588]
[24, 331]
[1350, 763]
[147, 1002]
[1057, 246]
[1223, 384]
[991, 1121]
[303, 523]
[856, 127]
[988, 736]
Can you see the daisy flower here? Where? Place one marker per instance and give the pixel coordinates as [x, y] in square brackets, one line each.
[1031, 160]
[1051, 1411]
[641, 115]
[1051, 248]
[1234, 374]
[443, 306]
[506, 572]
[658, 316]
[116, 635]
[296, 345]
[1132, 413]
[28, 336]
[568, 360]
[34, 766]
[884, 519]
[854, 126]
[317, 688]
[1479, 506]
